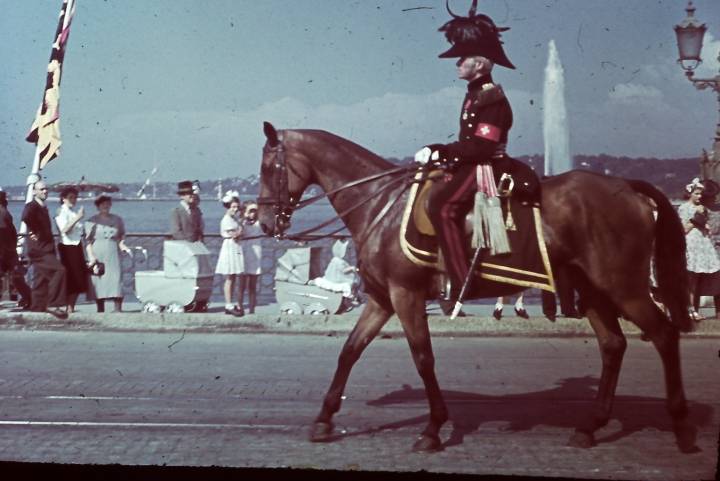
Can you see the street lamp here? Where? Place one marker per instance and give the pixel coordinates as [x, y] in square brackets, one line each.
[690, 33]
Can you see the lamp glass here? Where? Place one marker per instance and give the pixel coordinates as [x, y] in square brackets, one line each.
[689, 40]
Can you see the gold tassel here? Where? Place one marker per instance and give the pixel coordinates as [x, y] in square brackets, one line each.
[495, 227]
[479, 214]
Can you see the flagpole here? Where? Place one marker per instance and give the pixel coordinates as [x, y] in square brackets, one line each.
[35, 172]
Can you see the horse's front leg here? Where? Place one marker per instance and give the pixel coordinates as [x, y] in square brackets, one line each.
[410, 308]
[371, 320]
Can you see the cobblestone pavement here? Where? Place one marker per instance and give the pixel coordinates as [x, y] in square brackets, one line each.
[247, 400]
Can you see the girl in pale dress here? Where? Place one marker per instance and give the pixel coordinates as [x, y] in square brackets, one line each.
[703, 263]
[105, 236]
[252, 252]
[230, 260]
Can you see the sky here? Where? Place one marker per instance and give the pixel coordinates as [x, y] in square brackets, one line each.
[185, 85]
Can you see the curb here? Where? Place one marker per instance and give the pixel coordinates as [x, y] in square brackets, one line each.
[471, 326]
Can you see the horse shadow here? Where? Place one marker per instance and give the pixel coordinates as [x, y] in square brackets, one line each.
[565, 406]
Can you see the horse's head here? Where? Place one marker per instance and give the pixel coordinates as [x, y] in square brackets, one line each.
[283, 178]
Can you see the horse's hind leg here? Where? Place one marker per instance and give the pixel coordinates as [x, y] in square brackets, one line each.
[371, 320]
[410, 308]
[612, 343]
[666, 339]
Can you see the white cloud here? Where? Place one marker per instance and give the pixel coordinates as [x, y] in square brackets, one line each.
[633, 93]
[711, 64]
[635, 119]
[210, 144]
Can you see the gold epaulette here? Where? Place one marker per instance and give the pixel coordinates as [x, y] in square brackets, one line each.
[489, 94]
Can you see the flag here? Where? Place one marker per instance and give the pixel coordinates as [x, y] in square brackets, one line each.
[45, 130]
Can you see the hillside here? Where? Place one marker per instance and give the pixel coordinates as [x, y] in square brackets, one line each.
[669, 175]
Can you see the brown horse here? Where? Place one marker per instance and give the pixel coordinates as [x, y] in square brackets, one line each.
[601, 228]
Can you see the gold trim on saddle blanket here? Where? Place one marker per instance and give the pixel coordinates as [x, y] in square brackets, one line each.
[544, 281]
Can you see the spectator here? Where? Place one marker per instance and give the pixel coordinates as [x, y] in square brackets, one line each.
[68, 220]
[252, 255]
[186, 220]
[48, 292]
[105, 236]
[703, 263]
[339, 275]
[230, 260]
[519, 308]
[8, 253]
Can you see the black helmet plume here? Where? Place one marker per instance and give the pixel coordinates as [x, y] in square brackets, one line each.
[474, 35]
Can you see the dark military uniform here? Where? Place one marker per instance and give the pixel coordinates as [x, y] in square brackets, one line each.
[484, 124]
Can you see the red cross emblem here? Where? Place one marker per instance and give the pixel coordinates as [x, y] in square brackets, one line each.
[488, 131]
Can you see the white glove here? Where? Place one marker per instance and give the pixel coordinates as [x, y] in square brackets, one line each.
[425, 154]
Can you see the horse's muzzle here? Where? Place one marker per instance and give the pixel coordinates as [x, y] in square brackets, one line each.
[281, 224]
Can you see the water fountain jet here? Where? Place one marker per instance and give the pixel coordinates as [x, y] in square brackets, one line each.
[555, 123]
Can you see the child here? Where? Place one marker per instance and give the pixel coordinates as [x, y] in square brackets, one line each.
[252, 252]
[231, 260]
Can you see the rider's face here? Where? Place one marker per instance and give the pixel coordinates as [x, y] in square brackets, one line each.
[468, 68]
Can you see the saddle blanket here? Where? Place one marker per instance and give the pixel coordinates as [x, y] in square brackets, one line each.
[528, 264]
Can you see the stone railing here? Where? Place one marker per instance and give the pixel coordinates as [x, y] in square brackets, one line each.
[272, 249]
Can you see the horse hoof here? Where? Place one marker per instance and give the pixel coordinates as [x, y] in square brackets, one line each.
[581, 439]
[427, 444]
[685, 437]
[321, 432]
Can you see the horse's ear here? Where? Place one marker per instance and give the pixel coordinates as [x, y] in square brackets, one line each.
[270, 133]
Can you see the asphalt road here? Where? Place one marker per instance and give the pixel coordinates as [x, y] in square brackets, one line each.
[248, 399]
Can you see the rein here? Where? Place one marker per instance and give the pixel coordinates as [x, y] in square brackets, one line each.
[285, 205]
[392, 183]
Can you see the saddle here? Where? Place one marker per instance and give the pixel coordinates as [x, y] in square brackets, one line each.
[527, 264]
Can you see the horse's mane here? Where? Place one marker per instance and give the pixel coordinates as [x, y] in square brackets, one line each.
[348, 147]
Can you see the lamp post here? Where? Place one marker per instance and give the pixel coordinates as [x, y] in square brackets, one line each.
[690, 33]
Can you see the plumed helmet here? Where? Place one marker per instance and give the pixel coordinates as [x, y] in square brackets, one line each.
[474, 35]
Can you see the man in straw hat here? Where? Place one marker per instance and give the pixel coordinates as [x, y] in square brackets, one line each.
[186, 222]
[485, 120]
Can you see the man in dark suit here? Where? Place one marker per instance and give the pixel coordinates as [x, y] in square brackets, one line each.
[9, 256]
[186, 222]
[48, 273]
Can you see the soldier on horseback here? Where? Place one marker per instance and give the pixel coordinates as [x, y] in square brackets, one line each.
[486, 119]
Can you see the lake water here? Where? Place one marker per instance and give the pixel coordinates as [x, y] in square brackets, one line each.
[154, 216]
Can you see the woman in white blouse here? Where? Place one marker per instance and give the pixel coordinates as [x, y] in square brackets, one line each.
[69, 223]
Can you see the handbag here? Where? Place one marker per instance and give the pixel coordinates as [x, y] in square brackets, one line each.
[97, 269]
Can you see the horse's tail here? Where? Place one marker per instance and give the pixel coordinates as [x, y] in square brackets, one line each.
[670, 261]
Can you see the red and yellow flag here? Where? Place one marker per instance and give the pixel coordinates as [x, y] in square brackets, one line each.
[45, 130]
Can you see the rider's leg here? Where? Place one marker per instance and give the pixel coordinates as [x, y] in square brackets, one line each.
[451, 200]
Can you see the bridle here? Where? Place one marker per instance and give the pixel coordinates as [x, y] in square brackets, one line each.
[284, 204]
